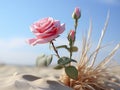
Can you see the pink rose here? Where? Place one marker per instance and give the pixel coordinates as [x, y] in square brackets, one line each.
[46, 30]
[76, 14]
[71, 35]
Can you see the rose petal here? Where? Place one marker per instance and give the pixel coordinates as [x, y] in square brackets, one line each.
[33, 29]
[47, 25]
[45, 30]
[57, 23]
[62, 29]
[47, 39]
[35, 41]
[31, 41]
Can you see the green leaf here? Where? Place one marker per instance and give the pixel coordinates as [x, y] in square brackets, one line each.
[49, 60]
[40, 61]
[62, 46]
[58, 67]
[43, 60]
[72, 72]
[65, 60]
[74, 49]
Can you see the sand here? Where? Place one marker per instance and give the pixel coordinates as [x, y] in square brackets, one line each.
[31, 78]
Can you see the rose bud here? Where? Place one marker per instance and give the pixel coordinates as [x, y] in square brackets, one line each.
[76, 14]
[71, 35]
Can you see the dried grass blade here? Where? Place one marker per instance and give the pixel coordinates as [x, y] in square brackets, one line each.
[90, 87]
[113, 83]
[89, 32]
[108, 58]
[86, 46]
[98, 86]
[83, 51]
[91, 55]
[100, 40]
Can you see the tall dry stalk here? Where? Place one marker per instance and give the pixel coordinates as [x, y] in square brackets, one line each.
[91, 77]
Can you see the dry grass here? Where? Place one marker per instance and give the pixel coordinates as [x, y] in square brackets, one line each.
[93, 77]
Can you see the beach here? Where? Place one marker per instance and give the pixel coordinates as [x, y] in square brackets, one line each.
[30, 78]
[13, 77]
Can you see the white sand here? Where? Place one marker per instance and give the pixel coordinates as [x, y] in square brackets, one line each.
[32, 78]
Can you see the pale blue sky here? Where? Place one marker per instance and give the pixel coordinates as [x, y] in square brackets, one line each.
[17, 15]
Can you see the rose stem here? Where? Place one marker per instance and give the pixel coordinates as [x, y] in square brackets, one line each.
[75, 26]
[55, 49]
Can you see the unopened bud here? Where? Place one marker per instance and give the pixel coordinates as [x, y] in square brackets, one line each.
[76, 14]
[71, 35]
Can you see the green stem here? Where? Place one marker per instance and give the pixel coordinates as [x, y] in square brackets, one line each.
[55, 49]
[70, 51]
[75, 26]
[71, 43]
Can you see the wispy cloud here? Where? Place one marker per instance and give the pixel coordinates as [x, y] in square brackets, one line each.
[12, 43]
[17, 51]
[14, 51]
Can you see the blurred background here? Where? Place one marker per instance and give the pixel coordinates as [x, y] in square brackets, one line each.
[16, 16]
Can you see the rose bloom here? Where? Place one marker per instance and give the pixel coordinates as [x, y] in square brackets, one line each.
[45, 30]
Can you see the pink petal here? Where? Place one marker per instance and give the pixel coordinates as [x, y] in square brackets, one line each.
[57, 23]
[31, 41]
[62, 29]
[35, 41]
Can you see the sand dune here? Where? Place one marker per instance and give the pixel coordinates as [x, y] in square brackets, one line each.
[32, 78]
